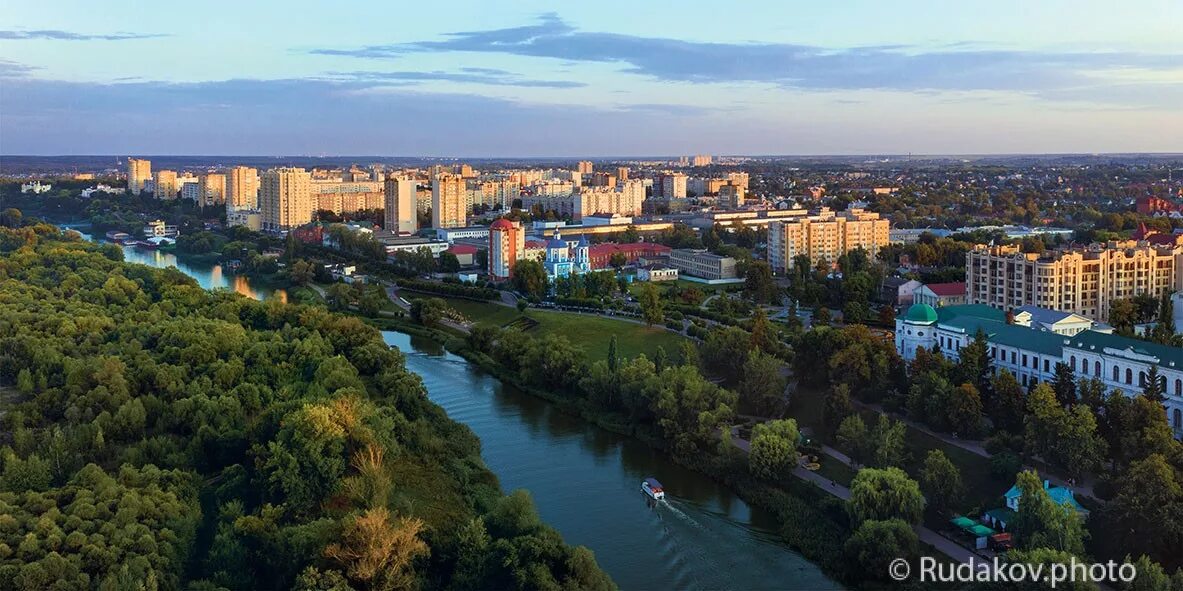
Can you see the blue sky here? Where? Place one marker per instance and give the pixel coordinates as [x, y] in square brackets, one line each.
[602, 78]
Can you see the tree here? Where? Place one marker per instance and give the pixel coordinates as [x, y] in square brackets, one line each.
[1155, 387]
[1064, 384]
[11, 218]
[688, 354]
[837, 407]
[964, 410]
[529, 278]
[822, 317]
[974, 366]
[1147, 506]
[773, 448]
[887, 316]
[613, 358]
[1066, 437]
[301, 272]
[1010, 402]
[762, 386]
[1041, 523]
[883, 494]
[725, 352]
[650, 302]
[617, 260]
[339, 297]
[875, 544]
[377, 550]
[887, 443]
[1150, 576]
[449, 262]
[429, 311]
[851, 438]
[941, 481]
[1123, 316]
[758, 283]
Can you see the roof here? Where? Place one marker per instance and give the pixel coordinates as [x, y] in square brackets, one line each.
[501, 224]
[947, 289]
[1010, 335]
[921, 313]
[1157, 354]
[1003, 514]
[535, 244]
[973, 310]
[462, 249]
[1059, 495]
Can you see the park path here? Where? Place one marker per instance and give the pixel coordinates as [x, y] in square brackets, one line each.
[928, 536]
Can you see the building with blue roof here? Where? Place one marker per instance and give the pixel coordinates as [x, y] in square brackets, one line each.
[1060, 495]
[1031, 353]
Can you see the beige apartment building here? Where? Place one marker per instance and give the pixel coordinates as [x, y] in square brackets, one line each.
[400, 213]
[625, 200]
[211, 189]
[242, 188]
[825, 235]
[449, 201]
[164, 184]
[584, 167]
[285, 198]
[342, 197]
[139, 172]
[673, 186]
[731, 196]
[1081, 280]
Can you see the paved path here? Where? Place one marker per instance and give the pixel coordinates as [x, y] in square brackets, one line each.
[928, 536]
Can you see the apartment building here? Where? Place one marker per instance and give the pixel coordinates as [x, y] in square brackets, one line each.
[342, 197]
[211, 189]
[584, 167]
[242, 188]
[285, 198]
[673, 186]
[731, 196]
[400, 213]
[825, 236]
[507, 246]
[164, 184]
[139, 172]
[1081, 280]
[448, 201]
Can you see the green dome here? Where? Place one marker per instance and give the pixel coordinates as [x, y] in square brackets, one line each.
[921, 313]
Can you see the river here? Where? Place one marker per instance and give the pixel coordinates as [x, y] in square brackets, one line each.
[586, 481]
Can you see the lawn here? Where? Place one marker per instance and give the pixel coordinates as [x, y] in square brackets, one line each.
[477, 312]
[594, 332]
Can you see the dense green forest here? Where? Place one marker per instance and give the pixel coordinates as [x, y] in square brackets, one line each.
[159, 436]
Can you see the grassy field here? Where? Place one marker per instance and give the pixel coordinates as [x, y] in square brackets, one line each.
[593, 334]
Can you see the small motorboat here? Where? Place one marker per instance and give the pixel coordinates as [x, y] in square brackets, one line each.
[652, 487]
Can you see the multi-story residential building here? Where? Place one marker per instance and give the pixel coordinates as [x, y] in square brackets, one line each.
[673, 186]
[448, 201]
[622, 173]
[588, 201]
[191, 192]
[584, 167]
[1031, 354]
[702, 263]
[285, 198]
[498, 194]
[400, 214]
[507, 246]
[1082, 280]
[242, 188]
[342, 197]
[731, 196]
[738, 178]
[164, 184]
[139, 172]
[826, 236]
[211, 188]
[603, 179]
[701, 160]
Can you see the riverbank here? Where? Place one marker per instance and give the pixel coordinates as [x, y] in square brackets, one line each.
[808, 520]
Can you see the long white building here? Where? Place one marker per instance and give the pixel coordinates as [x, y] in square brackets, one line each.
[1031, 354]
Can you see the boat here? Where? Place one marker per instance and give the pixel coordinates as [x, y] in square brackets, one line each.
[652, 487]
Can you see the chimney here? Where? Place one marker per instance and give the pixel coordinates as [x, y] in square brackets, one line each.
[1046, 484]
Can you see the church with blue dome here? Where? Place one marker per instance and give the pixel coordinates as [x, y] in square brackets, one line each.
[562, 260]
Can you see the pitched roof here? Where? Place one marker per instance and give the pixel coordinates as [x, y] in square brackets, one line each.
[1161, 355]
[947, 289]
[462, 249]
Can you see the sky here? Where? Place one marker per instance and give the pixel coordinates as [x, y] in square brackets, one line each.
[496, 78]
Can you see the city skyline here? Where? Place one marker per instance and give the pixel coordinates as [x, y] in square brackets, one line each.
[610, 80]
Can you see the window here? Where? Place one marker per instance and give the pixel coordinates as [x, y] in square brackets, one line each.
[1072, 364]
[1024, 360]
[1178, 387]
[1097, 369]
[1012, 356]
[1178, 419]
[1129, 376]
[1142, 379]
[1115, 378]
[1045, 366]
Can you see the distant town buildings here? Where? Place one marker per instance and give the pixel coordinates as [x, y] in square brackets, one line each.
[344, 197]
[36, 187]
[285, 198]
[212, 189]
[399, 196]
[701, 160]
[139, 173]
[825, 236]
[584, 167]
[448, 201]
[1082, 280]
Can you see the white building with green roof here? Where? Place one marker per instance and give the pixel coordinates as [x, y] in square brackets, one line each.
[1122, 363]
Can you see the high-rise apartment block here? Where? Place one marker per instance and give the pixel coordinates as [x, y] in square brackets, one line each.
[164, 184]
[584, 167]
[448, 201]
[400, 211]
[285, 198]
[242, 188]
[701, 160]
[1081, 280]
[673, 186]
[139, 172]
[341, 197]
[211, 189]
[507, 245]
[622, 173]
[731, 196]
[825, 236]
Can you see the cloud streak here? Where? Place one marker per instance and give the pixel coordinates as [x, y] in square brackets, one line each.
[490, 76]
[57, 35]
[795, 66]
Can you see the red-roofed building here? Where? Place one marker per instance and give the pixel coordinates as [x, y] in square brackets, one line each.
[464, 253]
[1151, 205]
[940, 294]
[601, 254]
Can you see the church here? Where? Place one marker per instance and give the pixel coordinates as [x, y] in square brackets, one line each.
[562, 260]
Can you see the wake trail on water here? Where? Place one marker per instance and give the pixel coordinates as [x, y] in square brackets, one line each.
[695, 556]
